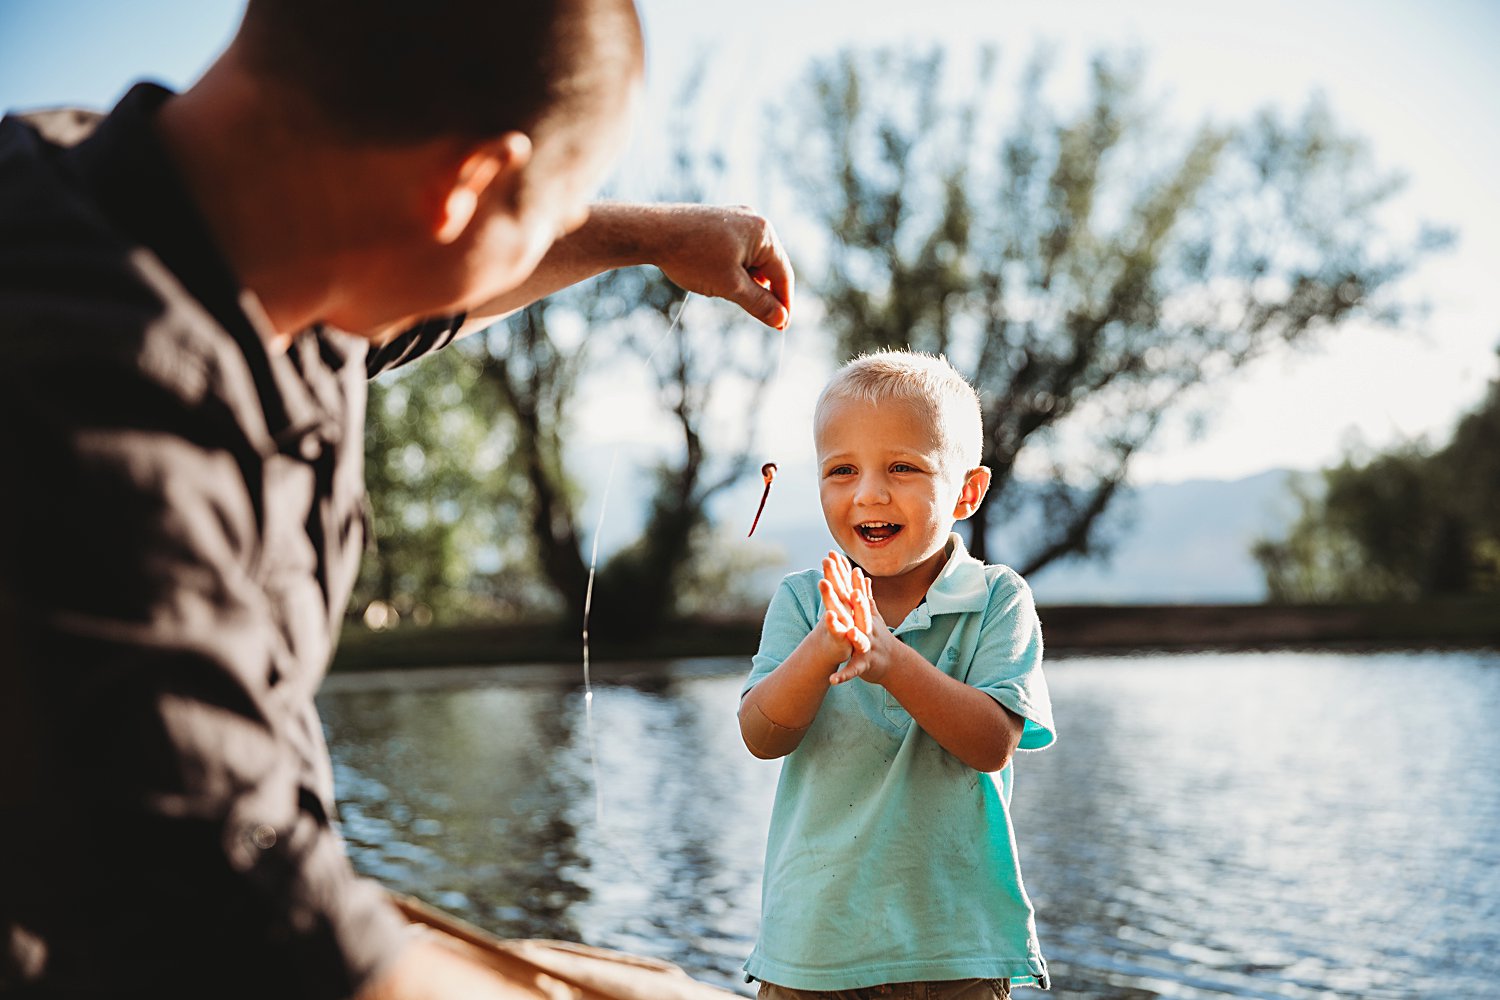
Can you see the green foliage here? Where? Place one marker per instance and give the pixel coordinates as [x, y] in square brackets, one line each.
[476, 506]
[445, 498]
[1083, 268]
[1406, 524]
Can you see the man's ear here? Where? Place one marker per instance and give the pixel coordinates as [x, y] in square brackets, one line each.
[976, 485]
[493, 164]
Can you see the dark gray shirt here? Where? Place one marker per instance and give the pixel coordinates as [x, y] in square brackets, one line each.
[181, 523]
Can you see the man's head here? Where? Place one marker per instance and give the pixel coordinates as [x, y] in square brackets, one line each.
[440, 146]
[400, 71]
[898, 437]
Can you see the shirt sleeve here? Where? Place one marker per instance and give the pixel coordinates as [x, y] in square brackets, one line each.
[160, 822]
[420, 340]
[789, 617]
[1007, 664]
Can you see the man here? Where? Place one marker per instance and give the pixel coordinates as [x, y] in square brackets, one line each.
[192, 293]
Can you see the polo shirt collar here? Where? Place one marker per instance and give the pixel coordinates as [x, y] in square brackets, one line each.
[960, 587]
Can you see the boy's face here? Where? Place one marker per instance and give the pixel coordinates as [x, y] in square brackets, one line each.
[890, 493]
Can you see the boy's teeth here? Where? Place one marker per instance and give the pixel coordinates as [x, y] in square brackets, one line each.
[876, 530]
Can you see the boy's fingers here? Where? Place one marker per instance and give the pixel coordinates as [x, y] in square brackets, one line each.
[834, 624]
[837, 579]
[833, 601]
[857, 665]
[832, 575]
[846, 581]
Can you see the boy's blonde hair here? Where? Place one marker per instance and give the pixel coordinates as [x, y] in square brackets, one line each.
[927, 381]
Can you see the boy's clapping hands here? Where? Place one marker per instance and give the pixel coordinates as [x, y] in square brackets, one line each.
[850, 615]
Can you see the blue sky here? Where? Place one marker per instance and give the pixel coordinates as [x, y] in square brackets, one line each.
[1420, 81]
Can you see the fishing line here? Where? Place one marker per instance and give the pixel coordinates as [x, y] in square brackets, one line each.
[620, 851]
[588, 593]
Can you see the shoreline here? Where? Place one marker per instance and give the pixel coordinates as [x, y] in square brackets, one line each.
[1471, 622]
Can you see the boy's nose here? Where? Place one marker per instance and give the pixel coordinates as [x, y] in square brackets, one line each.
[872, 490]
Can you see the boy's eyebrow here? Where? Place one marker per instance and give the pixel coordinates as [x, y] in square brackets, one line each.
[892, 455]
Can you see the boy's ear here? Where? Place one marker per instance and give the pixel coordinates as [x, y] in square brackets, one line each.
[976, 485]
[496, 164]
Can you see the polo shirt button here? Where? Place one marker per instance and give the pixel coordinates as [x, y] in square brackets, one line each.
[263, 836]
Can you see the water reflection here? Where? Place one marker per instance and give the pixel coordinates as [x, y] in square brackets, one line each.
[1262, 825]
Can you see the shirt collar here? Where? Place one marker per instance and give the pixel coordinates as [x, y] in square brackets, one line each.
[960, 587]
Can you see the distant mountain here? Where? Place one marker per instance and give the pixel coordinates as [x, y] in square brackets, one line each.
[1183, 542]
[1186, 542]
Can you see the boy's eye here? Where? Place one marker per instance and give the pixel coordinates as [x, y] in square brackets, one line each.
[904, 467]
[840, 470]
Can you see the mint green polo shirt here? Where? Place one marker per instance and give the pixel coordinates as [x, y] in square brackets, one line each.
[890, 860]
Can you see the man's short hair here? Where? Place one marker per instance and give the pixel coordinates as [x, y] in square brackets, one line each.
[409, 70]
[927, 381]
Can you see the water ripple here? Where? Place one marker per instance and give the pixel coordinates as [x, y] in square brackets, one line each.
[1272, 825]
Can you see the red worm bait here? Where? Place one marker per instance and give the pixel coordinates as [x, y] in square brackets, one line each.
[768, 473]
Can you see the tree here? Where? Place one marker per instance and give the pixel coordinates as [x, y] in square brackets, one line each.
[696, 357]
[1406, 524]
[476, 506]
[444, 497]
[1084, 270]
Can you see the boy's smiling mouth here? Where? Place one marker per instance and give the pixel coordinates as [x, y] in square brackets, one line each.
[877, 531]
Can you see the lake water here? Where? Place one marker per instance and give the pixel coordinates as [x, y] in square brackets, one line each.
[1276, 825]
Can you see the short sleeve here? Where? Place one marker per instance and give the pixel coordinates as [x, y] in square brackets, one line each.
[792, 613]
[424, 338]
[1007, 663]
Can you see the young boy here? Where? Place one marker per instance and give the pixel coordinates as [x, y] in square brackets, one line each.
[891, 868]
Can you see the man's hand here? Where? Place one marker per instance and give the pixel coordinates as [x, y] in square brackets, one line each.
[730, 253]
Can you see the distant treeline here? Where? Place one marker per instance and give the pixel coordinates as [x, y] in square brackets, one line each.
[1417, 521]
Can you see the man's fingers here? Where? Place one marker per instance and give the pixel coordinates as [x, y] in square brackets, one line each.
[732, 253]
[772, 271]
[759, 302]
[769, 267]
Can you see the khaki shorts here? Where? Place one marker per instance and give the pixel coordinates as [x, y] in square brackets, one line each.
[951, 989]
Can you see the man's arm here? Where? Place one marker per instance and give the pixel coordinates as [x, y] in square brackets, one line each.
[725, 252]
